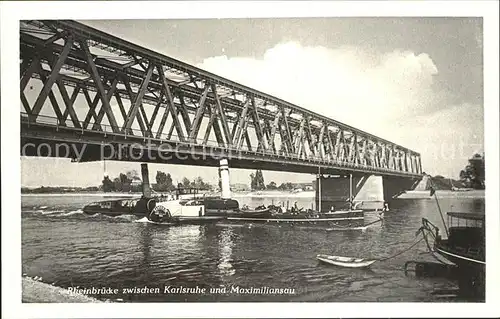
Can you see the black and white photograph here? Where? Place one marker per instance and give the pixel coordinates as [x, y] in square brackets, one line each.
[197, 157]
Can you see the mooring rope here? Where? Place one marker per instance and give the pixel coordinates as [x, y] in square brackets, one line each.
[401, 252]
[430, 250]
[379, 220]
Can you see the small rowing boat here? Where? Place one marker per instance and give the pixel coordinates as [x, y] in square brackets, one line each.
[349, 262]
[362, 228]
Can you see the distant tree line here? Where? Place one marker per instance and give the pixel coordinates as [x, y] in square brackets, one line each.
[196, 183]
[257, 183]
[164, 183]
[58, 189]
[122, 183]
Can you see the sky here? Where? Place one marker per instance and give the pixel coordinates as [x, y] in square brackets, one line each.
[417, 82]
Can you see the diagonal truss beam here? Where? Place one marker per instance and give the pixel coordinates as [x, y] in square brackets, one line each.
[240, 126]
[54, 74]
[170, 107]
[69, 104]
[133, 97]
[223, 119]
[105, 98]
[133, 111]
[195, 127]
[97, 80]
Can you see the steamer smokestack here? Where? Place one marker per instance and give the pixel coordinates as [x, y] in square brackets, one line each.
[146, 189]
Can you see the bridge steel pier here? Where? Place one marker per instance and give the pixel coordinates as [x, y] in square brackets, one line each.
[87, 89]
[338, 189]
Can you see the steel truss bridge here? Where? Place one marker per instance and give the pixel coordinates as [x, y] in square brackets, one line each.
[82, 86]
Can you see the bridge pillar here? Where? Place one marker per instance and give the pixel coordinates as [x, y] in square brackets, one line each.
[146, 189]
[224, 179]
[335, 190]
[394, 186]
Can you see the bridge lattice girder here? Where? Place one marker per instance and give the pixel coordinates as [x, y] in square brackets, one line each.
[112, 86]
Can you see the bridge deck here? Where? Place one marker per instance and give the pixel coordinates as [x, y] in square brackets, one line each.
[114, 90]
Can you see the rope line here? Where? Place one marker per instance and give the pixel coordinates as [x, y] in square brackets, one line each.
[431, 251]
[401, 252]
[332, 224]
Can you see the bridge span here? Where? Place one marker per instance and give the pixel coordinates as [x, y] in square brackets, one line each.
[111, 99]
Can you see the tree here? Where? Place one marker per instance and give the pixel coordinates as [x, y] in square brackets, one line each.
[253, 182]
[133, 175]
[199, 183]
[117, 184]
[169, 183]
[257, 181]
[186, 182]
[271, 185]
[473, 175]
[125, 181]
[107, 185]
[164, 182]
[161, 178]
[463, 175]
[286, 186]
[260, 180]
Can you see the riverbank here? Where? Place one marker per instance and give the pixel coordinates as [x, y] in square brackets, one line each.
[423, 194]
[271, 193]
[96, 194]
[37, 292]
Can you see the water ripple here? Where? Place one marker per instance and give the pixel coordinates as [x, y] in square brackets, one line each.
[63, 245]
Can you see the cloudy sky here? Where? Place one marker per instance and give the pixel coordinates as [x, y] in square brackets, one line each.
[415, 81]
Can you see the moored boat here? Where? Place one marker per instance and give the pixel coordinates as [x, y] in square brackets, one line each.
[349, 262]
[465, 247]
[298, 217]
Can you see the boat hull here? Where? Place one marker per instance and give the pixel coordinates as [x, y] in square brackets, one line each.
[348, 262]
[117, 207]
[173, 221]
[308, 217]
[465, 248]
[275, 220]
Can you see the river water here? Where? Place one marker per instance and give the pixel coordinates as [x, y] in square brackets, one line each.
[69, 249]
